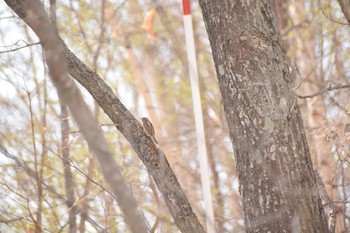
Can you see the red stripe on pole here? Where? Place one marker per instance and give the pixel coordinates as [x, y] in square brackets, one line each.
[186, 7]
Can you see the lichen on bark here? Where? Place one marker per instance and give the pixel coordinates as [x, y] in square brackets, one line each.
[277, 183]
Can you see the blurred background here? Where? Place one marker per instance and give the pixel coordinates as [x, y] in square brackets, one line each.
[138, 48]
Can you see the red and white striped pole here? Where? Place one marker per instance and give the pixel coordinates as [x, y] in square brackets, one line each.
[198, 116]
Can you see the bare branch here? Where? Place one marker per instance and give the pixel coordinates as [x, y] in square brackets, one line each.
[329, 88]
[34, 14]
[153, 157]
[52, 190]
[18, 48]
[9, 17]
[344, 5]
[8, 221]
[333, 20]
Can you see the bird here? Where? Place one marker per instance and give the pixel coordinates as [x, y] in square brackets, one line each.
[147, 125]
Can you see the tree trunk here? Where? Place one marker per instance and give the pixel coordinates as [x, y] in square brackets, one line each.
[277, 183]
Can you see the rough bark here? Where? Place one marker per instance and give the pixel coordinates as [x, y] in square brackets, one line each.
[153, 158]
[277, 182]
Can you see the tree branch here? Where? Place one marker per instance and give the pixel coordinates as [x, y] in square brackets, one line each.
[333, 20]
[344, 5]
[153, 158]
[18, 48]
[329, 88]
[34, 14]
[52, 190]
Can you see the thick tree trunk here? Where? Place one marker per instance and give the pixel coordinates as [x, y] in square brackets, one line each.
[277, 182]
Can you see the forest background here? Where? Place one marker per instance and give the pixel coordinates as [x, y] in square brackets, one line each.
[138, 48]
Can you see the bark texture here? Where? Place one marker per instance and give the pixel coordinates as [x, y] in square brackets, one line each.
[277, 182]
[152, 156]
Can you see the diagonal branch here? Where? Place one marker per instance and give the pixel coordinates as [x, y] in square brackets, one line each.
[329, 88]
[333, 20]
[18, 48]
[153, 158]
[345, 8]
[34, 14]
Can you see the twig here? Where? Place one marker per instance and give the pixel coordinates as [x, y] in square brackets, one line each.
[289, 29]
[24, 46]
[329, 88]
[100, 125]
[9, 17]
[72, 164]
[8, 221]
[330, 19]
[52, 190]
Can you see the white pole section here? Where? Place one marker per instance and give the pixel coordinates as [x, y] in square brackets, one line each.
[198, 116]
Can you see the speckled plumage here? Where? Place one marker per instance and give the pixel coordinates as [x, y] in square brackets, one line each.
[147, 125]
